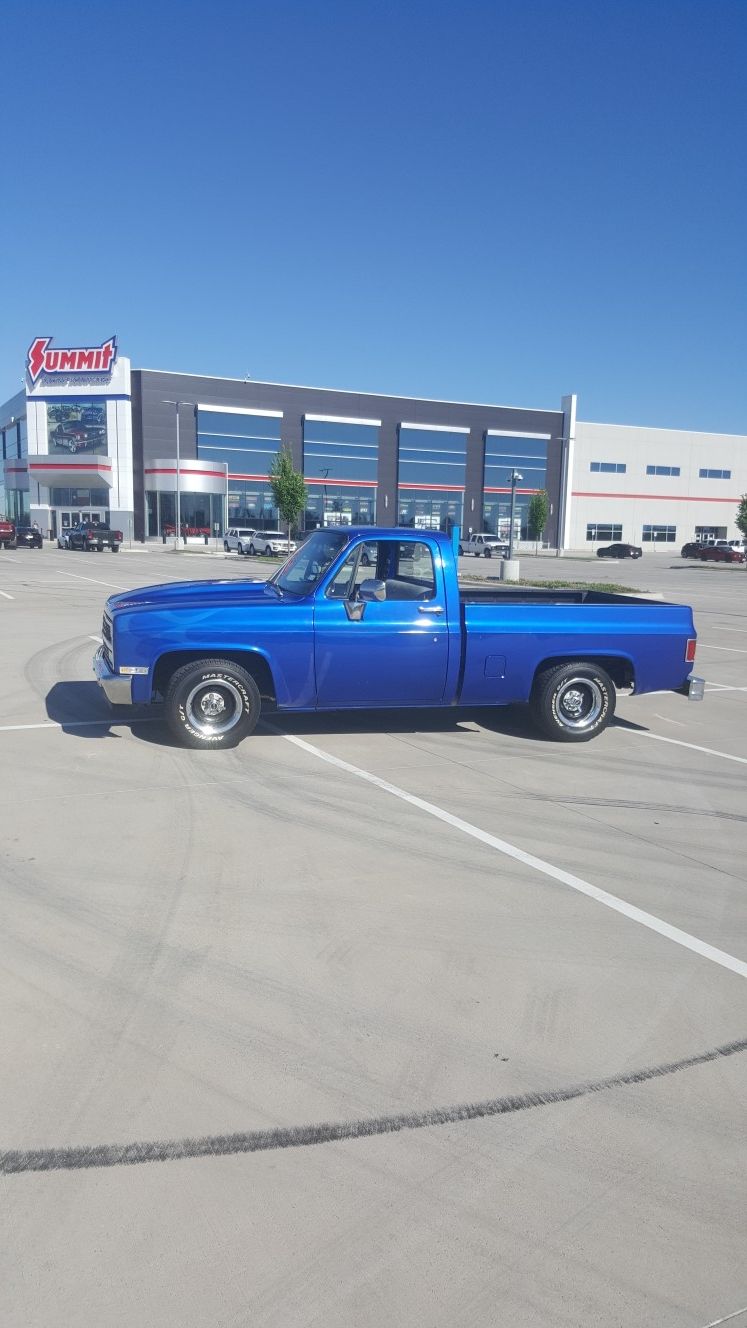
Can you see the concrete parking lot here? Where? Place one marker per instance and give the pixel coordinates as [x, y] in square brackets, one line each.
[386, 1019]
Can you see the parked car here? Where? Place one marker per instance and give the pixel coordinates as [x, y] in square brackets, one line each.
[238, 538]
[62, 538]
[720, 553]
[29, 538]
[7, 533]
[484, 545]
[620, 551]
[691, 549]
[271, 541]
[96, 535]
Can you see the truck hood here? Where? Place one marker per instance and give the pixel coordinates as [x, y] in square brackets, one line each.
[194, 595]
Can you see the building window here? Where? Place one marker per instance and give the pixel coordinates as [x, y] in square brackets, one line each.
[662, 470]
[505, 453]
[714, 474]
[608, 467]
[247, 442]
[659, 534]
[340, 462]
[704, 533]
[432, 469]
[596, 530]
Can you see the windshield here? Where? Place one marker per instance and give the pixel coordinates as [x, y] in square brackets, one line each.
[305, 568]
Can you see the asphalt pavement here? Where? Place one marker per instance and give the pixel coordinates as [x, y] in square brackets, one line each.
[406, 1019]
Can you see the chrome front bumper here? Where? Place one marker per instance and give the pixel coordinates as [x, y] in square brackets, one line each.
[118, 690]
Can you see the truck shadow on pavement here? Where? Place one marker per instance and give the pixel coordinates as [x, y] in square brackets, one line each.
[81, 711]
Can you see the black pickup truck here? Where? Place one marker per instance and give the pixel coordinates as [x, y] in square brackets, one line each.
[91, 535]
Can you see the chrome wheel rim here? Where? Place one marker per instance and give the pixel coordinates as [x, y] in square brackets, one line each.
[579, 703]
[214, 707]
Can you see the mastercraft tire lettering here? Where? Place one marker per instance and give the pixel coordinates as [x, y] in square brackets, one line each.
[572, 702]
[212, 703]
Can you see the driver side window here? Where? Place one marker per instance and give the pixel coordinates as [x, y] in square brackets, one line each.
[350, 576]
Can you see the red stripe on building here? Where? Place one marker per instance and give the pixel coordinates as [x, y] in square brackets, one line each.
[656, 497]
[436, 488]
[166, 470]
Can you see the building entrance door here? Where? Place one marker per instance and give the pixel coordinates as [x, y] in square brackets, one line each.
[67, 518]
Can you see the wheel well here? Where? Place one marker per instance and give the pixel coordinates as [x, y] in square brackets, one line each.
[255, 664]
[621, 670]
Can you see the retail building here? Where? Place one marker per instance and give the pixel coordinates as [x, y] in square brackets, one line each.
[91, 437]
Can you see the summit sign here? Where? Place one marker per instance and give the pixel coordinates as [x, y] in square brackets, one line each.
[72, 360]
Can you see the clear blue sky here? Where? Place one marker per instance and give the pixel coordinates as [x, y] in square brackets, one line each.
[496, 202]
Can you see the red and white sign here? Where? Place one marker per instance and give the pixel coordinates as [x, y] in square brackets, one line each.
[75, 360]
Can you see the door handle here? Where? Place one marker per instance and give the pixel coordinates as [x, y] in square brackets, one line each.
[425, 608]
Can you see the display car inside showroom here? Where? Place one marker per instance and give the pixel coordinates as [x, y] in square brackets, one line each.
[89, 438]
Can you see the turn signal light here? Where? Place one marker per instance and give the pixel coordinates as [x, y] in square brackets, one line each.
[690, 651]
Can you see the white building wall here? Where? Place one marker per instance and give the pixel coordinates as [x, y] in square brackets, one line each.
[635, 499]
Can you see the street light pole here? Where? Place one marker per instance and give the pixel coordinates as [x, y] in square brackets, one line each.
[516, 478]
[178, 531]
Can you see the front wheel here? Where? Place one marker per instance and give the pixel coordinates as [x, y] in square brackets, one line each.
[226, 548]
[212, 703]
[461, 551]
[488, 553]
[252, 551]
[572, 702]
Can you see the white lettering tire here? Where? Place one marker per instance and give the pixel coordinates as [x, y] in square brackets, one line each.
[212, 703]
[572, 702]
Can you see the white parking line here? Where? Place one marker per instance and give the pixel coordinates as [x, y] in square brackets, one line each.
[79, 724]
[735, 650]
[95, 581]
[657, 737]
[630, 911]
[5, 595]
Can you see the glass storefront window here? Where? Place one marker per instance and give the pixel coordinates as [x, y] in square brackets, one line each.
[432, 467]
[339, 505]
[505, 453]
[341, 460]
[247, 443]
[200, 513]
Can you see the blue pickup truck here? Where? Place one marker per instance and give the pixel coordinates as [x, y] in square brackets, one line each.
[368, 618]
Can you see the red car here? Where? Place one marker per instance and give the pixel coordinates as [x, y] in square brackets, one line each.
[720, 553]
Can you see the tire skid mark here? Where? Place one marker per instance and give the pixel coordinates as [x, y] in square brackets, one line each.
[15, 1161]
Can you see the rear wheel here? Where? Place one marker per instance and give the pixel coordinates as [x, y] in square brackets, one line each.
[115, 548]
[572, 702]
[212, 703]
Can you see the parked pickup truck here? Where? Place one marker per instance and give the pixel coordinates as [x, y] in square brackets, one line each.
[94, 535]
[326, 632]
[484, 546]
[7, 534]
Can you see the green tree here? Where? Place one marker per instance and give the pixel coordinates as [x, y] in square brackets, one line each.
[288, 488]
[539, 510]
[740, 519]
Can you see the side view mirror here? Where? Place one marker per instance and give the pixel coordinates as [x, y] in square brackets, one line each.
[372, 589]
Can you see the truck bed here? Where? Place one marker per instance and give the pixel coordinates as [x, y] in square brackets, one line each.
[507, 635]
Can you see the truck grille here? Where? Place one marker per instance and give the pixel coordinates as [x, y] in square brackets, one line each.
[108, 640]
